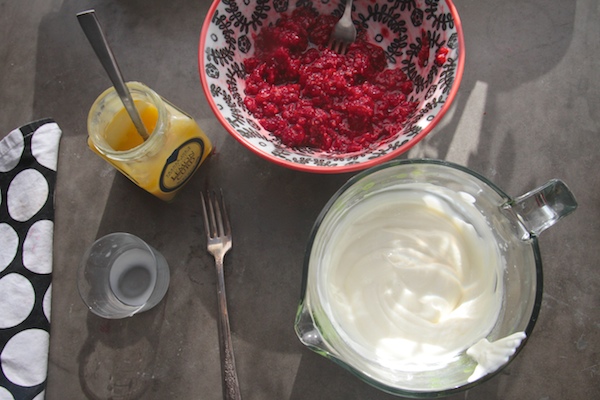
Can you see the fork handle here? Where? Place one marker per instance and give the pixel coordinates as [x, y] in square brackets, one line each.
[347, 9]
[231, 386]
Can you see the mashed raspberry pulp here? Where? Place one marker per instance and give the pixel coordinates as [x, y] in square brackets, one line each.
[309, 96]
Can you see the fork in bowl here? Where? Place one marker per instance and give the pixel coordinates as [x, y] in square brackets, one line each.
[344, 32]
[218, 233]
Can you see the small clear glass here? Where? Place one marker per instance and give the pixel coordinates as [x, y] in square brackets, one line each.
[120, 275]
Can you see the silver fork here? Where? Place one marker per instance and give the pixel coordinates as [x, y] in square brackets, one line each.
[218, 233]
[344, 32]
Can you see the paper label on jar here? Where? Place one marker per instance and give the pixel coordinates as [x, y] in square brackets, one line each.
[180, 166]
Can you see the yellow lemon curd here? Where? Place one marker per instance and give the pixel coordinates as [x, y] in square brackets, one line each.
[169, 157]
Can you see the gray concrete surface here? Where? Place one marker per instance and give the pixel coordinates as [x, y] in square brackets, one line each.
[528, 110]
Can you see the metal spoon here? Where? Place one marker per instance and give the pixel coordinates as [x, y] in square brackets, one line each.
[92, 29]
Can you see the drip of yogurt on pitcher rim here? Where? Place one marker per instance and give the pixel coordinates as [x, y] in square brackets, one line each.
[491, 356]
[413, 278]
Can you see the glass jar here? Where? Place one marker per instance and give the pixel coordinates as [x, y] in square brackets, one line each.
[163, 163]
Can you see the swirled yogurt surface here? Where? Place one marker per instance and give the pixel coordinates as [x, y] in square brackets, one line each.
[413, 276]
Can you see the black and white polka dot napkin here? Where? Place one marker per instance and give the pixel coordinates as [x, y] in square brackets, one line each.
[28, 160]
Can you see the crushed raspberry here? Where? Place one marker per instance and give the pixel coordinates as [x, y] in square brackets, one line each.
[441, 56]
[309, 96]
[321, 29]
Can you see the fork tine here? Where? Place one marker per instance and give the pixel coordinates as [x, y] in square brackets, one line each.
[332, 44]
[338, 46]
[217, 213]
[225, 219]
[207, 228]
[216, 219]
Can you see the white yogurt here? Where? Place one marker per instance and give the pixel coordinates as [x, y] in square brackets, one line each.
[413, 277]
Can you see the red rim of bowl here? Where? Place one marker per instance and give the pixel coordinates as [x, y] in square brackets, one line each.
[341, 168]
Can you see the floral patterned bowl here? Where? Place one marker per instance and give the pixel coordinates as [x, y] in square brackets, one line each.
[227, 39]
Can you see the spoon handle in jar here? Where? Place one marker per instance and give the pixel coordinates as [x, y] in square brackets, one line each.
[92, 29]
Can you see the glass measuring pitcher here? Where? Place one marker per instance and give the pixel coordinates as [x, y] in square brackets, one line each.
[377, 301]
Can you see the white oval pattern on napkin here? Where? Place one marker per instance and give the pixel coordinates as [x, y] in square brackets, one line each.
[17, 297]
[28, 160]
[10, 244]
[37, 247]
[27, 194]
[28, 341]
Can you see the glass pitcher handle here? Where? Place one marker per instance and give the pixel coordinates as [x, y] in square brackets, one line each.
[543, 207]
